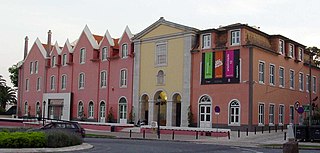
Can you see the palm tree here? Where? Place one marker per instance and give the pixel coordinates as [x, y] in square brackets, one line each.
[2, 81]
[7, 95]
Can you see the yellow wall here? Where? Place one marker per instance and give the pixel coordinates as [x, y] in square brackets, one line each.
[161, 30]
[173, 71]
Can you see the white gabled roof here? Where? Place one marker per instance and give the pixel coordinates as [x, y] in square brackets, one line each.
[69, 47]
[128, 32]
[41, 48]
[59, 51]
[108, 37]
[90, 37]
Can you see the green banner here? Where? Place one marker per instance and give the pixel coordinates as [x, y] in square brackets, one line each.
[208, 65]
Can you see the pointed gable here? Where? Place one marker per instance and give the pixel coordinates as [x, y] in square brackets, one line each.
[127, 32]
[108, 37]
[90, 37]
[68, 46]
[41, 48]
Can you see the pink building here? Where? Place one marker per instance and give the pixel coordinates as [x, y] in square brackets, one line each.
[74, 82]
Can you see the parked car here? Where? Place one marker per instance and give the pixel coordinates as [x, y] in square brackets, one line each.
[64, 125]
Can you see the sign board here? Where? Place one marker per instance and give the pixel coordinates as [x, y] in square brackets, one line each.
[217, 110]
[300, 110]
[306, 108]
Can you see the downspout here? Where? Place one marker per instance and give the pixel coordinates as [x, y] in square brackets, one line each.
[108, 89]
[98, 92]
[251, 82]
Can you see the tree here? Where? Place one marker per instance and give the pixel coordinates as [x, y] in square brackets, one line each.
[2, 81]
[14, 75]
[7, 94]
[316, 51]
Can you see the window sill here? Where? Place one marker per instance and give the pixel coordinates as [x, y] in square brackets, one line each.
[260, 124]
[233, 124]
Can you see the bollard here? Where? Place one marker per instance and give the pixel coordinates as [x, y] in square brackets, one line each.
[276, 128]
[130, 133]
[229, 135]
[255, 130]
[144, 134]
[285, 135]
[196, 134]
[172, 135]
[262, 129]
[238, 133]
[247, 131]
[269, 129]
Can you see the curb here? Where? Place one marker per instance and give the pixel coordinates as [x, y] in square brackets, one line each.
[83, 146]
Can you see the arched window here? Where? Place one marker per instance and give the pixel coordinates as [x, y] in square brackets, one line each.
[123, 78]
[103, 79]
[38, 113]
[104, 53]
[160, 78]
[234, 112]
[26, 108]
[90, 113]
[102, 112]
[81, 80]
[82, 55]
[124, 51]
[205, 99]
[123, 108]
[52, 83]
[80, 109]
[63, 82]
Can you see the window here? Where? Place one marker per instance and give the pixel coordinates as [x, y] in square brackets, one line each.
[102, 112]
[291, 79]
[63, 82]
[27, 84]
[291, 50]
[38, 84]
[308, 86]
[80, 109]
[301, 81]
[160, 78]
[291, 115]
[103, 79]
[31, 67]
[123, 78]
[52, 83]
[36, 67]
[161, 54]
[271, 114]
[261, 114]
[206, 41]
[104, 53]
[64, 59]
[82, 55]
[38, 111]
[271, 75]
[53, 61]
[124, 51]
[300, 56]
[235, 37]
[90, 113]
[26, 109]
[81, 81]
[281, 47]
[261, 72]
[281, 114]
[234, 113]
[123, 108]
[281, 77]
[314, 84]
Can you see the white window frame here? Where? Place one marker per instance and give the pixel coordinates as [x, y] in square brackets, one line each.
[91, 110]
[124, 51]
[234, 115]
[38, 109]
[300, 54]
[281, 77]
[82, 58]
[308, 86]
[159, 54]
[314, 84]
[291, 114]
[291, 79]
[104, 53]
[235, 37]
[281, 46]
[102, 110]
[281, 114]
[206, 41]
[301, 81]
[64, 59]
[52, 82]
[38, 85]
[63, 82]
[103, 79]
[272, 77]
[123, 108]
[160, 78]
[80, 109]
[81, 81]
[27, 85]
[261, 73]
[31, 67]
[271, 114]
[53, 61]
[26, 108]
[123, 78]
[261, 115]
[36, 67]
[291, 50]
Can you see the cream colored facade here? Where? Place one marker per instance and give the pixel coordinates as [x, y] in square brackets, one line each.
[174, 89]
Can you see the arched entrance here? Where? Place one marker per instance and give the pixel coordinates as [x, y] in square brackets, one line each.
[160, 97]
[205, 105]
[176, 110]
[144, 109]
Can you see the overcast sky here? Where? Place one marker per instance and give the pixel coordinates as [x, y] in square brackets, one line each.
[296, 19]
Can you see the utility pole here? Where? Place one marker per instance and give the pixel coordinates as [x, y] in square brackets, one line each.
[310, 109]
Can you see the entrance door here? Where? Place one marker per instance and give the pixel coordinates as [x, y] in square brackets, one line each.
[205, 116]
[178, 114]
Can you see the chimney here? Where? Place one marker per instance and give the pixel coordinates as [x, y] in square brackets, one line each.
[25, 47]
[49, 43]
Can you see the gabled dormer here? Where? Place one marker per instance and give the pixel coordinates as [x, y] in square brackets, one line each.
[67, 54]
[55, 55]
[125, 44]
[106, 46]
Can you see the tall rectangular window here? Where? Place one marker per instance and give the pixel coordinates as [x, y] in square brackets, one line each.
[81, 81]
[261, 114]
[206, 41]
[82, 55]
[291, 114]
[53, 61]
[300, 58]
[38, 84]
[271, 114]
[31, 67]
[103, 79]
[235, 37]
[27, 84]
[291, 50]
[52, 83]
[261, 72]
[36, 67]
[308, 86]
[271, 75]
[124, 51]
[281, 47]
[161, 54]
[291, 79]
[64, 59]
[314, 84]
[63, 82]
[301, 82]
[281, 114]
[123, 78]
[281, 77]
[104, 53]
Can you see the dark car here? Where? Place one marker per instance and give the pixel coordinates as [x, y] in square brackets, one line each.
[70, 126]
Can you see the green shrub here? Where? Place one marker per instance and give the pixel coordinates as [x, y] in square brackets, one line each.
[61, 138]
[22, 139]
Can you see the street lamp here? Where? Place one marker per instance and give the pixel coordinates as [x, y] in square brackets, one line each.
[158, 103]
[44, 110]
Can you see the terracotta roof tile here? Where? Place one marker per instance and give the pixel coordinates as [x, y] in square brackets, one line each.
[98, 38]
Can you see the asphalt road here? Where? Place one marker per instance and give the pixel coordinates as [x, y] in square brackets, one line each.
[102, 145]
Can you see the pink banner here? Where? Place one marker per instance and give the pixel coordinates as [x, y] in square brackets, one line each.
[229, 64]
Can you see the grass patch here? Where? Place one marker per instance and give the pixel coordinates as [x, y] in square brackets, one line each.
[99, 136]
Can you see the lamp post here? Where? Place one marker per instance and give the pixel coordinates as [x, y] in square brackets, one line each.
[310, 113]
[158, 103]
[44, 110]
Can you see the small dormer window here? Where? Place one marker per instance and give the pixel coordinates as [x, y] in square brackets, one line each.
[300, 54]
[235, 37]
[124, 51]
[53, 61]
[206, 41]
[291, 50]
[64, 59]
[281, 47]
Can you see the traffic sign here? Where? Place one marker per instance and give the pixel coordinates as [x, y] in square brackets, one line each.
[306, 108]
[217, 110]
[300, 110]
